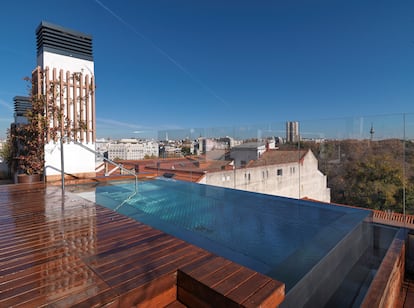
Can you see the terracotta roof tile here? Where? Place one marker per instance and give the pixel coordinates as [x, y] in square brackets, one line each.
[277, 157]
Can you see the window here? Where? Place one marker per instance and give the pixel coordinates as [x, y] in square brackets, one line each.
[279, 172]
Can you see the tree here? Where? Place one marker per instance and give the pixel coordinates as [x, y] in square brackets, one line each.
[28, 140]
[375, 182]
[185, 150]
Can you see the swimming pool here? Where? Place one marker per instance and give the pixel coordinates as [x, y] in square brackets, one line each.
[289, 240]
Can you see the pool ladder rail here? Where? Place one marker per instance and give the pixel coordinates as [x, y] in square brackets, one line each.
[118, 166]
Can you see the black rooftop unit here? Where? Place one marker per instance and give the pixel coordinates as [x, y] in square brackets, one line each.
[56, 39]
[22, 104]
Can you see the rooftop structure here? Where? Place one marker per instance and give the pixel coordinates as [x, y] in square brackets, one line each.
[292, 131]
[293, 174]
[22, 104]
[59, 40]
[65, 76]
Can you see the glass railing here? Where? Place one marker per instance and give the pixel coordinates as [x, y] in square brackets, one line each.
[360, 161]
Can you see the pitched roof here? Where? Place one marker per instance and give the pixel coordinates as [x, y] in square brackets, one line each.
[277, 157]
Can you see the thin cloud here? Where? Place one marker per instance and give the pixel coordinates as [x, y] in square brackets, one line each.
[165, 54]
[136, 128]
[4, 104]
[118, 123]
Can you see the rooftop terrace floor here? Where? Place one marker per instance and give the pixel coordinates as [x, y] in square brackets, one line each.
[60, 250]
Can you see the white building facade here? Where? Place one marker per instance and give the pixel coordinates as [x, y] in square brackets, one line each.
[132, 149]
[65, 76]
[244, 153]
[282, 173]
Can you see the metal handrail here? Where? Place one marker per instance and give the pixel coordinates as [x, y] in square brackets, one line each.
[117, 165]
[110, 161]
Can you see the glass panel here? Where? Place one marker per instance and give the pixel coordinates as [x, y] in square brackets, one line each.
[358, 161]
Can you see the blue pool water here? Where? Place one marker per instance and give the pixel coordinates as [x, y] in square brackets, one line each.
[256, 230]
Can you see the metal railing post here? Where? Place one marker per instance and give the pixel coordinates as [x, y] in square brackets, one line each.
[112, 163]
[62, 165]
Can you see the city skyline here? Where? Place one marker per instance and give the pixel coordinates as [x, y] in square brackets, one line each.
[181, 65]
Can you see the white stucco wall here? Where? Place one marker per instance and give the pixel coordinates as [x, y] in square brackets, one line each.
[246, 154]
[76, 159]
[265, 179]
[132, 151]
[72, 64]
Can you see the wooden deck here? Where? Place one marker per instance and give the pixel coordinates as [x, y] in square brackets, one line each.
[60, 250]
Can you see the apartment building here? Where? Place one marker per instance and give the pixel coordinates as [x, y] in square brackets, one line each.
[292, 174]
[132, 149]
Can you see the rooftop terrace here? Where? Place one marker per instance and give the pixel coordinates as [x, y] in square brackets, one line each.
[62, 250]
[65, 251]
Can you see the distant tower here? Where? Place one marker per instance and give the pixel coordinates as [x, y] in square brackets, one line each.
[292, 131]
[372, 131]
[65, 76]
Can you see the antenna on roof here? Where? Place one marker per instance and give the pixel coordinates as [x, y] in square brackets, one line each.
[372, 131]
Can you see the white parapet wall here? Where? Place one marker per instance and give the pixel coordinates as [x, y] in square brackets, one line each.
[66, 81]
[72, 64]
[78, 161]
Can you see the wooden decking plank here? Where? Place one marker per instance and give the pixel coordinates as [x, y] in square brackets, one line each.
[112, 244]
[89, 298]
[80, 233]
[116, 250]
[196, 264]
[30, 261]
[18, 289]
[133, 254]
[156, 293]
[55, 288]
[175, 304]
[218, 276]
[233, 281]
[248, 288]
[196, 294]
[145, 277]
[61, 250]
[270, 295]
[126, 271]
[113, 266]
[23, 277]
[209, 267]
[105, 298]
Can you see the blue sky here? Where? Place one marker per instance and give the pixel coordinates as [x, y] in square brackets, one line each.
[163, 65]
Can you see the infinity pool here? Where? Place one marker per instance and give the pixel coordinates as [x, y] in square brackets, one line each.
[283, 238]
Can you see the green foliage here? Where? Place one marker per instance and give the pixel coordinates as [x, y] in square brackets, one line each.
[6, 151]
[46, 121]
[29, 149]
[185, 150]
[28, 140]
[152, 156]
[373, 182]
[372, 174]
